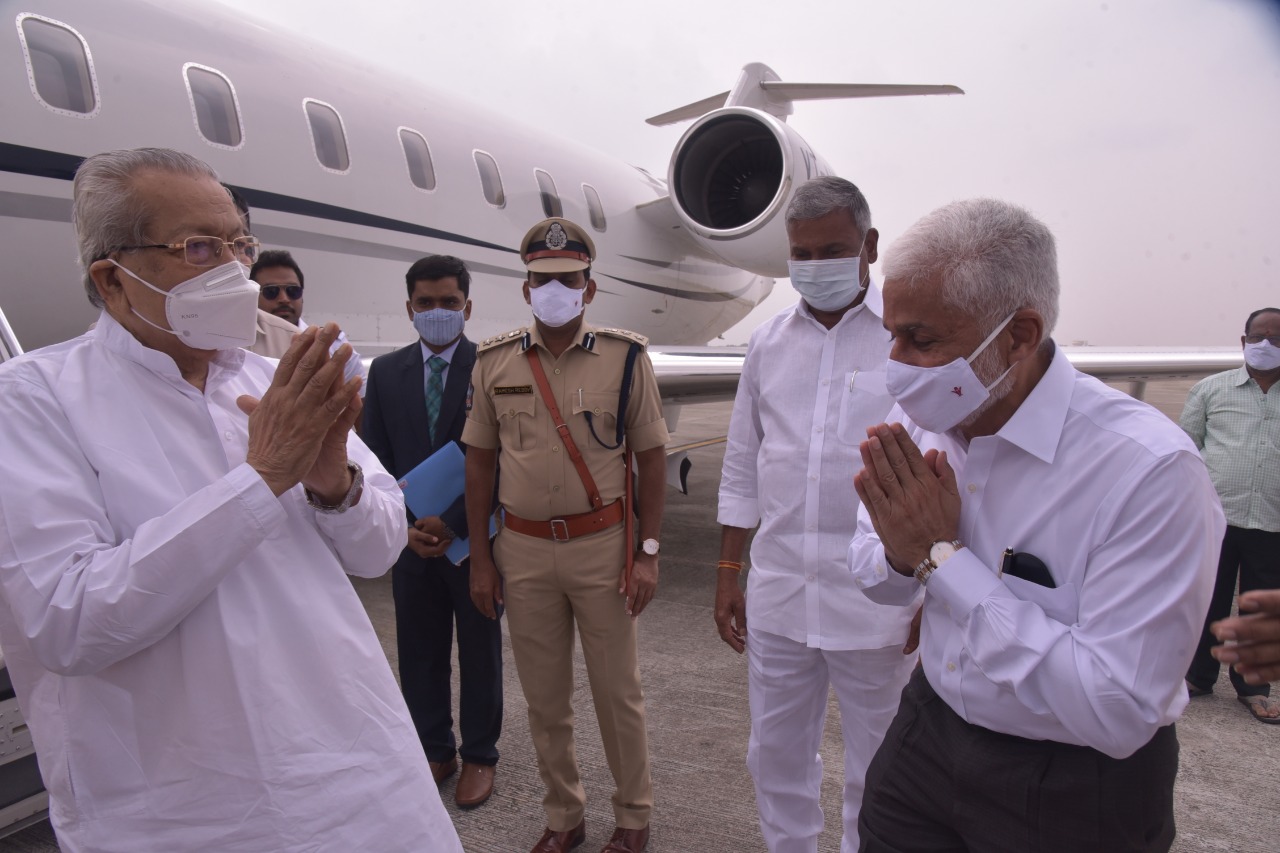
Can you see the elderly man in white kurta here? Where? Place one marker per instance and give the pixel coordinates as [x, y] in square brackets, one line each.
[812, 383]
[196, 669]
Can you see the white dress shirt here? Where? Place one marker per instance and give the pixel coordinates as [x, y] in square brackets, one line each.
[806, 396]
[1116, 502]
[197, 670]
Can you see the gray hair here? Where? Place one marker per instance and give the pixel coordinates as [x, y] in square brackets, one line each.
[824, 194]
[991, 258]
[105, 210]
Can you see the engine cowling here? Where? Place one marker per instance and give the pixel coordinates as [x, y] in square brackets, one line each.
[731, 177]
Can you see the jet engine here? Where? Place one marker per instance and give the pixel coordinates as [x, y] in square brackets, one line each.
[731, 177]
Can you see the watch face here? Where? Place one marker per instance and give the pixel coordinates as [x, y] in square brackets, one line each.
[649, 546]
[941, 551]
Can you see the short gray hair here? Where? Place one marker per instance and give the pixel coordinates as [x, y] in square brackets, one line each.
[991, 257]
[105, 210]
[822, 195]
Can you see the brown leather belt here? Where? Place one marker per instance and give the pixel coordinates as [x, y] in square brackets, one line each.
[568, 527]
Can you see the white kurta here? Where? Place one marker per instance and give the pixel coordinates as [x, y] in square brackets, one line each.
[196, 669]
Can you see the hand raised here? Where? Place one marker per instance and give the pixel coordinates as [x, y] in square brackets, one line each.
[297, 431]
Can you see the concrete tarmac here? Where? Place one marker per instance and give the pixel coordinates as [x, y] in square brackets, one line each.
[1227, 797]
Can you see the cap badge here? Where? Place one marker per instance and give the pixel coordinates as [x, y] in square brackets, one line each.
[556, 238]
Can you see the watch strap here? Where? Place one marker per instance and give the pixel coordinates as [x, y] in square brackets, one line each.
[348, 500]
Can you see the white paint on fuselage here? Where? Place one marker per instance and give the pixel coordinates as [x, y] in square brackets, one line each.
[354, 273]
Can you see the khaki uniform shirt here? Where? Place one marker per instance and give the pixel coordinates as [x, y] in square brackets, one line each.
[506, 411]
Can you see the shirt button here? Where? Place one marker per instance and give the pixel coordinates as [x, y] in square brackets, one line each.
[557, 371]
[555, 488]
[813, 476]
[511, 411]
[228, 435]
[597, 411]
[951, 667]
[826, 382]
[819, 429]
[810, 577]
[812, 527]
[973, 487]
[555, 448]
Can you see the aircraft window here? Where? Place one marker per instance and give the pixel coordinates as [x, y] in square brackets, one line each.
[551, 205]
[490, 179]
[214, 101]
[59, 65]
[594, 207]
[418, 157]
[327, 134]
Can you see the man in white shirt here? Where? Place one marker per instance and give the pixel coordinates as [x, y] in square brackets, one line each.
[812, 382]
[1066, 535]
[176, 517]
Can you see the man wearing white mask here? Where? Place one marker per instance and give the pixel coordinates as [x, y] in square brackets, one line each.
[812, 382]
[177, 519]
[1235, 421]
[416, 405]
[559, 405]
[1065, 536]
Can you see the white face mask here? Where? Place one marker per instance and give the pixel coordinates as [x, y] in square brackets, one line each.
[555, 304]
[218, 309]
[828, 285]
[1262, 356]
[439, 326]
[938, 398]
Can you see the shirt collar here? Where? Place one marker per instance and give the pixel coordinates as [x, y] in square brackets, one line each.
[1037, 425]
[446, 354]
[584, 329]
[1241, 377]
[116, 338]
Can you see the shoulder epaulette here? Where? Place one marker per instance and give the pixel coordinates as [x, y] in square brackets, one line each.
[499, 340]
[624, 334]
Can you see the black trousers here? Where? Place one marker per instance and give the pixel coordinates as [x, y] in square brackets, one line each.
[1254, 555]
[939, 783]
[431, 596]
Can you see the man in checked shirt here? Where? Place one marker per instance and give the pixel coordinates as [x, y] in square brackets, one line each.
[1235, 421]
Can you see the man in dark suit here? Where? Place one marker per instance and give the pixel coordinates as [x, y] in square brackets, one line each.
[415, 404]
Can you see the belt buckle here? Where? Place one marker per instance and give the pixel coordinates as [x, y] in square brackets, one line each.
[564, 525]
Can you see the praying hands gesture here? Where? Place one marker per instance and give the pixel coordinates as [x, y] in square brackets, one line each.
[298, 430]
[911, 497]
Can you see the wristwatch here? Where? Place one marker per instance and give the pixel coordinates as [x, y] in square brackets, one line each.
[348, 500]
[650, 547]
[939, 552]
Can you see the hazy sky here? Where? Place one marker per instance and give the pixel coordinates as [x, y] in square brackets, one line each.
[1146, 134]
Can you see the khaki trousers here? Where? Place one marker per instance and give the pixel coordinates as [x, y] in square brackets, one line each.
[548, 587]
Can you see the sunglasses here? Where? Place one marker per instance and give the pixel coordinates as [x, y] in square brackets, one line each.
[271, 292]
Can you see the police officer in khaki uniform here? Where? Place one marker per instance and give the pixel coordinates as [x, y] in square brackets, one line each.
[562, 555]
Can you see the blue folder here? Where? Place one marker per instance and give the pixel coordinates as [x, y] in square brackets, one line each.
[433, 486]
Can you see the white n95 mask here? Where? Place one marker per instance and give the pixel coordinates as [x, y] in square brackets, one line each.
[938, 398]
[827, 285]
[218, 309]
[1262, 356]
[554, 303]
[439, 326]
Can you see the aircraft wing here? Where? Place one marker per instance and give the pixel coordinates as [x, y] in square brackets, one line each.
[709, 374]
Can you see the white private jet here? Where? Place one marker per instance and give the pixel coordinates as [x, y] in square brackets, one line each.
[360, 172]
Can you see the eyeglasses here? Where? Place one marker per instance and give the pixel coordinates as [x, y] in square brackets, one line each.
[1274, 340]
[271, 292]
[207, 251]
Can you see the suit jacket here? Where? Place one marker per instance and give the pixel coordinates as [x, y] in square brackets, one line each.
[275, 335]
[395, 414]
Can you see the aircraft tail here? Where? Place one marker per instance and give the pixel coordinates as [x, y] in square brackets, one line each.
[760, 87]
